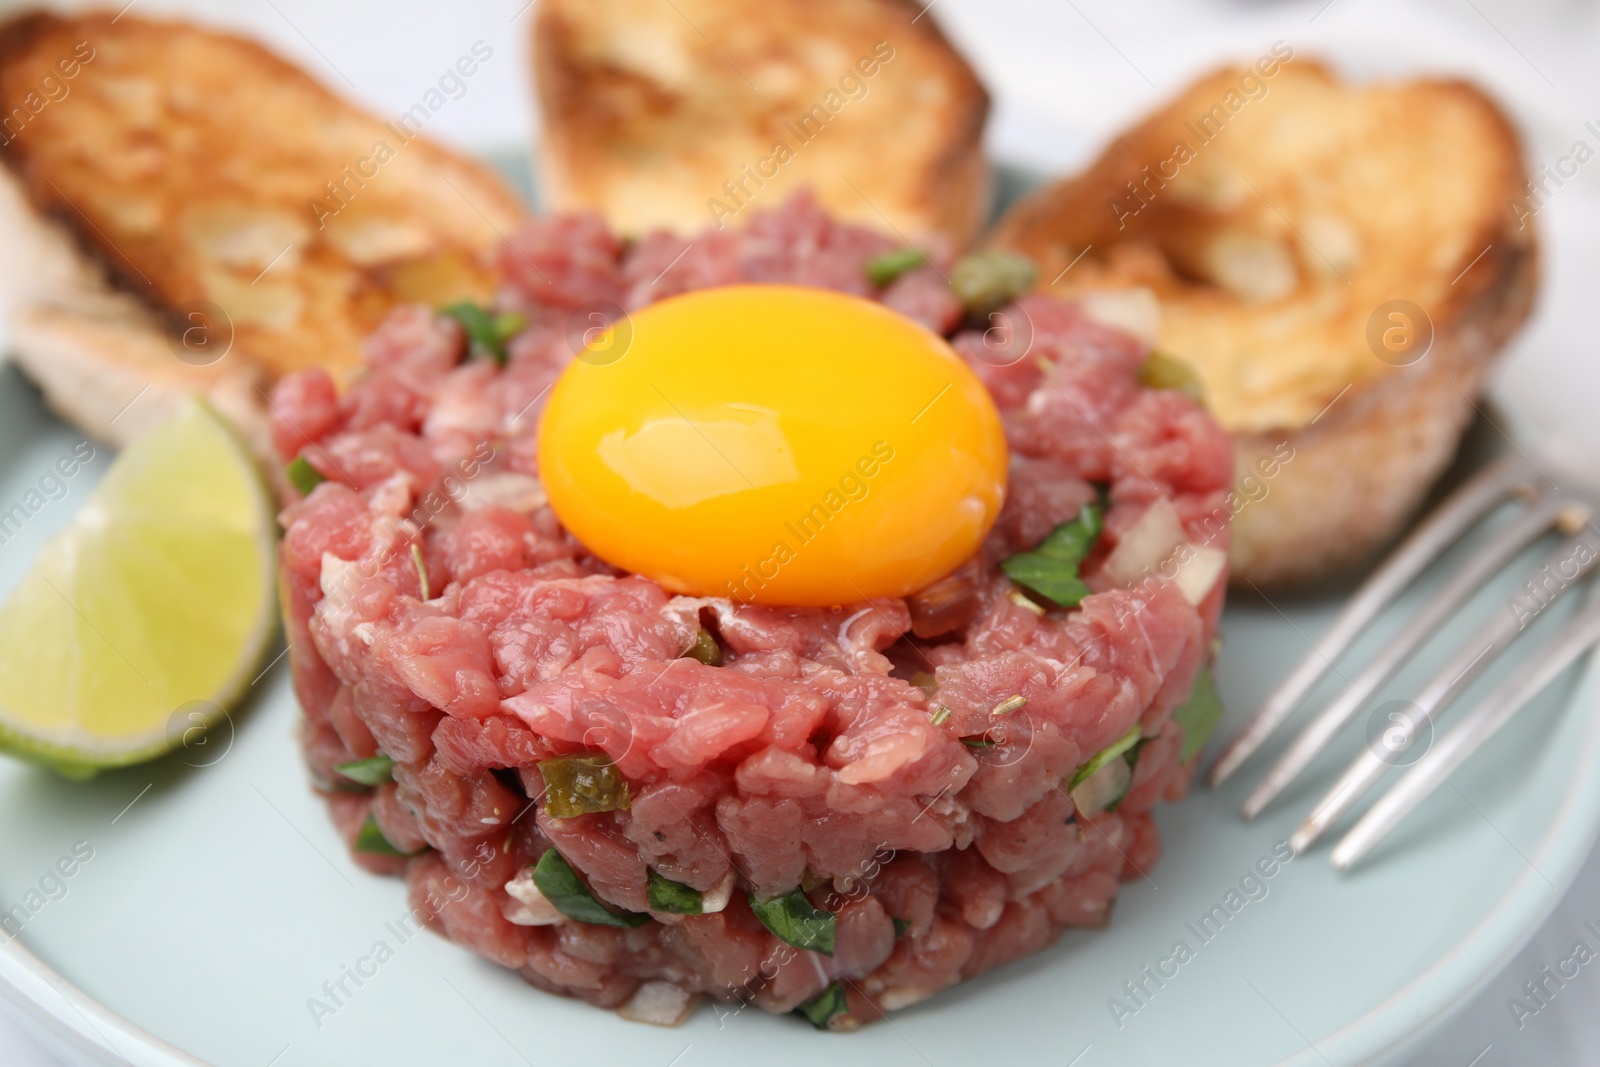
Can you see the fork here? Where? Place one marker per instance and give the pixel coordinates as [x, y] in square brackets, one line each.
[1543, 506]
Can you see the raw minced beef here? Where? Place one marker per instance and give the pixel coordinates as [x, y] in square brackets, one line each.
[944, 842]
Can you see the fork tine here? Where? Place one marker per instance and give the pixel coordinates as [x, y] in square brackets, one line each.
[1322, 729]
[1483, 722]
[1456, 675]
[1447, 522]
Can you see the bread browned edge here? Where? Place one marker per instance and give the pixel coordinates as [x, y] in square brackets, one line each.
[18, 35]
[959, 177]
[956, 191]
[1360, 474]
[101, 356]
[1361, 470]
[95, 343]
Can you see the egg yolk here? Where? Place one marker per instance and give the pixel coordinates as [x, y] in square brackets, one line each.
[774, 444]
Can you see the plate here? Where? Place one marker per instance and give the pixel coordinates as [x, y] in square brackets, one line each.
[217, 913]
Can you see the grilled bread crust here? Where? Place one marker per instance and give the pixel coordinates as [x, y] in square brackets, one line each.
[157, 168]
[1338, 264]
[681, 115]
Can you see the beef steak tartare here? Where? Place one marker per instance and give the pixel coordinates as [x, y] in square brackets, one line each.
[641, 799]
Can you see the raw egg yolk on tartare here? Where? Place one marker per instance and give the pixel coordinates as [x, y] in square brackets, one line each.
[774, 444]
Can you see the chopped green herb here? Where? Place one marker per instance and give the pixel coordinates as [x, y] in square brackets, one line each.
[1107, 754]
[977, 742]
[1131, 758]
[562, 887]
[422, 568]
[901, 926]
[1161, 371]
[374, 771]
[1051, 569]
[824, 1006]
[581, 784]
[940, 716]
[669, 896]
[303, 476]
[1008, 705]
[705, 649]
[793, 919]
[487, 334]
[881, 270]
[370, 840]
[987, 281]
[1199, 714]
[1101, 783]
[338, 783]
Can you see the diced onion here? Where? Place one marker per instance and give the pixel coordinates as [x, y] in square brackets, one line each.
[1146, 545]
[505, 489]
[1145, 549]
[530, 907]
[335, 576]
[895, 999]
[1103, 788]
[1200, 572]
[716, 898]
[660, 1004]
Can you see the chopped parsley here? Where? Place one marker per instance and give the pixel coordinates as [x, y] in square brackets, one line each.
[1199, 714]
[562, 887]
[370, 840]
[303, 476]
[821, 1008]
[794, 920]
[672, 897]
[487, 333]
[375, 771]
[881, 270]
[1107, 754]
[1050, 570]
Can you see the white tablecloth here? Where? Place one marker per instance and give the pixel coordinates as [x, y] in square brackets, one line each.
[1065, 76]
[20, 1048]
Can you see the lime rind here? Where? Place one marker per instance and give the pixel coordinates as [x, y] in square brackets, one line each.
[158, 596]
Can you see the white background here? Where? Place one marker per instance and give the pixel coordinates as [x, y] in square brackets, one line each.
[1065, 75]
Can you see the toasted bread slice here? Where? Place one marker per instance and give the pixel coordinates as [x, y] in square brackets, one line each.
[1304, 239]
[151, 166]
[105, 361]
[681, 115]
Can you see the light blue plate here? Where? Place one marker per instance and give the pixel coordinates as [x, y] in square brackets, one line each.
[218, 900]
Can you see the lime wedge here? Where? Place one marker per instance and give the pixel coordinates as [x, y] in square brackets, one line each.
[146, 618]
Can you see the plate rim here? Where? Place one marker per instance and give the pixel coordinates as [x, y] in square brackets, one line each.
[27, 983]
